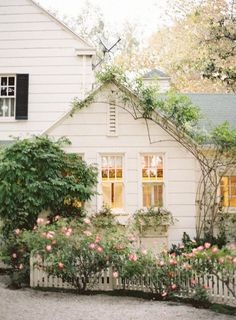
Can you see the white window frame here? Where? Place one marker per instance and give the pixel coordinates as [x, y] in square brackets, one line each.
[2, 118]
[141, 181]
[100, 197]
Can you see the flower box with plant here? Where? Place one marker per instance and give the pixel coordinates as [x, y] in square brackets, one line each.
[153, 218]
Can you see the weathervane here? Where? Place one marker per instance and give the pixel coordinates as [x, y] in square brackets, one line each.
[105, 51]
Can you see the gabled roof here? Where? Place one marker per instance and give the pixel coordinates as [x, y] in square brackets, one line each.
[155, 73]
[87, 49]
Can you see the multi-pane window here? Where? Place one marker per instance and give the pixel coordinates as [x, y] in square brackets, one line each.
[152, 180]
[7, 96]
[112, 181]
[228, 191]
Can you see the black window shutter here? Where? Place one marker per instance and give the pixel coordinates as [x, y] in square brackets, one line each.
[22, 92]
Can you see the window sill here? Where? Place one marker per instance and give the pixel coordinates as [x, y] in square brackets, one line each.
[10, 120]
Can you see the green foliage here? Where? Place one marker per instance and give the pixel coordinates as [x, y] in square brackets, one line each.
[36, 175]
[224, 137]
[152, 217]
[76, 251]
[81, 104]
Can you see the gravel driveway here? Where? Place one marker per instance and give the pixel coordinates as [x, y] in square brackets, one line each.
[28, 304]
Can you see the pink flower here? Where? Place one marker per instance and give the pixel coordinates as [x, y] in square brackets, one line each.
[50, 234]
[100, 249]
[87, 221]
[98, 238]
[193, 281]
[40, 221]
[194, 250]
[164, 293]
[132, 257]
[115, 274]
[205, 286]
[61, 265]
[21, 266]
[131, 237]
[17, 231]
[88, 233]
[214, 250]
[200, 248]
[172, 262]
[221, 260]
[173, 286]
[234, 260]
[57, 217]
[48, 248]
[54, 241]
[92, 245]
[161, 263]
[144, 252]
[14, 255]
[207, 245]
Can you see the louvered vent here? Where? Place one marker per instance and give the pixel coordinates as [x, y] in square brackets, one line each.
[112, 121]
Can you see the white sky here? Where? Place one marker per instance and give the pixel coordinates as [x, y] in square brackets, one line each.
[146, 13]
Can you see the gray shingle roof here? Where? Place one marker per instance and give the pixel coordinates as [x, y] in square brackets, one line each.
[155, 73]
[215, 107]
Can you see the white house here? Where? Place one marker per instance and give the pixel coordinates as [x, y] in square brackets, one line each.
[43, 66]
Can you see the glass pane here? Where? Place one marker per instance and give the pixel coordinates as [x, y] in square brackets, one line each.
[104, 173]
[117, 197]
[4, 81]
[106, 193]
[145, 166]
[11, 81]
[12, 104]
[158, 195]
[224, 191]
[11, 91]
[1, 104]
[152, 167]
[3, 91]
[146, 195]
[119, 167]
[159, 167]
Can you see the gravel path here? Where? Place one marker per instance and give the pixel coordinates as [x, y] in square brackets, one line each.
[28, 304]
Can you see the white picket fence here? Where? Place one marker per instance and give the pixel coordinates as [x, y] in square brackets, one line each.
[218, 291]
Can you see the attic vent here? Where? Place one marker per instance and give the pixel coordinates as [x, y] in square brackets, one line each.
[112, 122]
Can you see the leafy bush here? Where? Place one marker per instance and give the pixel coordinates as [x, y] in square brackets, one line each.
[77, 251]
[36, 175]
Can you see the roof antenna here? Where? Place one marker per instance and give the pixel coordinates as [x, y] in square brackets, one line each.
[105, 51]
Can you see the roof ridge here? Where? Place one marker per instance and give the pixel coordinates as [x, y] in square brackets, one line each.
[65, 27]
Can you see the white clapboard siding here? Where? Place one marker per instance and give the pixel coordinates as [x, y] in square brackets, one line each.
[33, 42]
[87, 130]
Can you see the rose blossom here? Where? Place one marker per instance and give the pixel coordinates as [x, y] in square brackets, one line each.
[40, 221]
[144, 252]
[193, 281]
[173, 286]
[92, 245]
[161, 263]
[200, 248]
[48, 247]
[61, 265]
[98, 238]
[14, 255]
[234, 260]
[164, 293]
[100, 249]
[132, 257]
[115, 274]
[214, 250]
[21, 266]
[87, 221]
[207, 245]
[221, 260]
[17, 231]
[172, 262]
